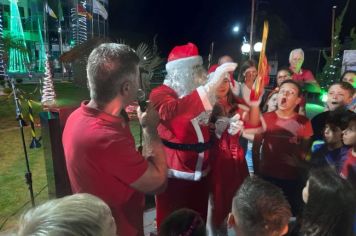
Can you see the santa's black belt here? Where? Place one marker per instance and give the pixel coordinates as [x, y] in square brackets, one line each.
[198, 147]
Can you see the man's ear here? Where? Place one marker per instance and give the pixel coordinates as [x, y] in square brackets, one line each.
[297, 102]
[285, 230]
[349, 100]
[231, 221]
[125, 87]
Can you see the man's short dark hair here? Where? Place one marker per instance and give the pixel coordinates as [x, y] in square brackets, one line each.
[183, 222]
[345, 86]
[260, 208]
[352, 119]
[296, 84]
[109, 65]
[340, 117]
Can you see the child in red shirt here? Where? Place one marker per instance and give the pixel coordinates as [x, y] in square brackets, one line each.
[285, 138]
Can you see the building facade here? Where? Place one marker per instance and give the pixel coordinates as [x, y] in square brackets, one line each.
[55, 26]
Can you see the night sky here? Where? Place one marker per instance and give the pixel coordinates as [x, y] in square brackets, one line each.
[302, 23]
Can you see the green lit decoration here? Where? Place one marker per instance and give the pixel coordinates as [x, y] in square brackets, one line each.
[42, 52]
[2, 51]
[323, 96]
[18, 59]
[48, 93]
[332, 69]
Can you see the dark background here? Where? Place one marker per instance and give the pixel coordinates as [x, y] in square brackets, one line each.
[302, 23]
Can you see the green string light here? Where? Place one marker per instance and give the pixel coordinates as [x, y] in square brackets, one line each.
[18, 59]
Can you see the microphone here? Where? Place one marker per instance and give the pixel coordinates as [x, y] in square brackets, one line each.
[141, 98]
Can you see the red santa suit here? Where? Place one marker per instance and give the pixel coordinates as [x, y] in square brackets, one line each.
[184, 131]
[229, 169]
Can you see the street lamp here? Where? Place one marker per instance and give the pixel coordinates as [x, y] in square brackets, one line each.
[235, 29]
[246, 48]
[257, 47]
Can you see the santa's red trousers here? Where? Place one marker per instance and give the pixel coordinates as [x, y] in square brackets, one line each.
[183, 194]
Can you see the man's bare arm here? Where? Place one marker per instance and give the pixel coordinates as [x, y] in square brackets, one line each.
[155, 177]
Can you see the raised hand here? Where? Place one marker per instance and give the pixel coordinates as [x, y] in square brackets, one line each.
[218, 76]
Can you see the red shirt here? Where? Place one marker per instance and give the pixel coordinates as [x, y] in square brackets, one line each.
[303, 76]
[102, 160]
[350, 163]
[281, 139]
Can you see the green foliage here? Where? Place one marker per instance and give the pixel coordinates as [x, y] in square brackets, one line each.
[14, 193]
[331, 71]
[13, 189]
[353, 39]
[7, 90]
[149, 62]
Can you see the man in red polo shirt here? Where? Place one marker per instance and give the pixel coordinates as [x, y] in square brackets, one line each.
[301, 75]
[183, 102]
[99, 148]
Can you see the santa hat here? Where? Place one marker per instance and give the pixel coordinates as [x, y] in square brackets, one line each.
[212, 68]
[183, 56]
[233, 85]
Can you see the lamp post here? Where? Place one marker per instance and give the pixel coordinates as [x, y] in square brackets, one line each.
[246, 48]
[332, 31]
[257, 47]
[252, 24]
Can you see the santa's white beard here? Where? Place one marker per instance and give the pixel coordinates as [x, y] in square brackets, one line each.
[181, 81]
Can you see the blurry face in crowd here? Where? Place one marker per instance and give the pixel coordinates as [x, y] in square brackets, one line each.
[332, 134]
[305, 193]
[282, 75]
[250, 76]
[350, 78]
[349, 134]
[225, 59]
[337, 97]
[296, 61]
[288, 97]
[223, 88]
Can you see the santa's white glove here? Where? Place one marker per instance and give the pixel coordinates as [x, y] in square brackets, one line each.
[218, 76]
[236, 125]
[246, 92]
[220, 125]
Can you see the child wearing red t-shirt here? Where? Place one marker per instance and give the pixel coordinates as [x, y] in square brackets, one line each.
[285, 140]
[348, 170]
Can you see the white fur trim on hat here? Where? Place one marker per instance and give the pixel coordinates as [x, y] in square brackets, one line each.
[184, 62]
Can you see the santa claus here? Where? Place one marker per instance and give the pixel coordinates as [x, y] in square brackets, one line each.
[183, 103]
